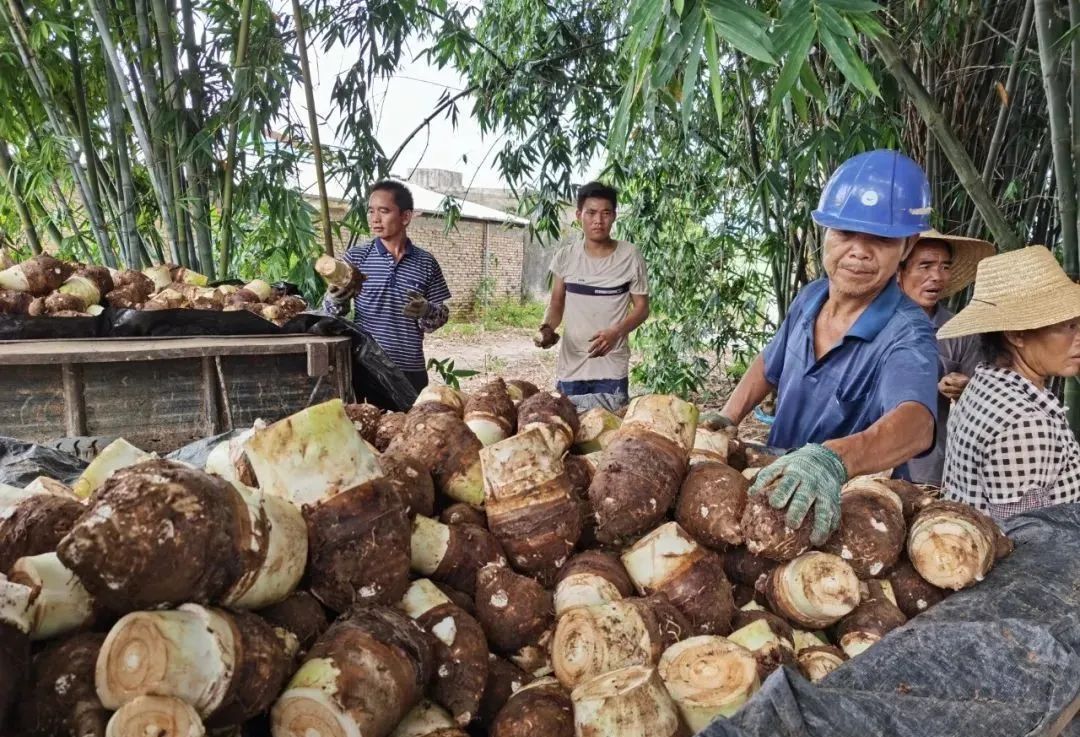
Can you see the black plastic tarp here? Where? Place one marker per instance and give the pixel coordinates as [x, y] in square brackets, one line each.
[22, 462]
[1001, 659]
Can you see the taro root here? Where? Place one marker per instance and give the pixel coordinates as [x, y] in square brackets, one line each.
[814, 590]
[166, 299]
[290, 306]
[514, 610]
[580, 470]
[359, 547]
[554, 415]
[819, 661]
[642, 468]
[519, 390]
[504, 679]
[708, 676]
[60, 698]
[412, 482]
[542, 707]
[362, 677]
[14, 645]
[390, 426]
[14, 303]
[338, 273]
[764, 637]
[490, 413]
[35, 524]
[228, 665]
[36, 276]
[229, 460]
[529, 504]
[912, 497]
[668, 561]
[452, 554]
[710, 445]
[766, 531]
[184, 275]
[311, 455]
[58, 601]
[914, 594]
[365, 418]
[590, 641]
[438, 398]
[160, 716]
[743, 568]
[449, 450]
[300, 613]
[596, 429]
[58, 302]
[751, 613]
[143, 522]
[463, 600]
[711, 504]
[627, 701]
[876, 616]
[535, 659]
[426, 718]
[952, 545]
[130, 278]
[463, 514]
[872, 532]
[591, 578]
[129, 297]
[461, 653]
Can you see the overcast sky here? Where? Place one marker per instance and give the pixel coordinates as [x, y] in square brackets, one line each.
[401, 103]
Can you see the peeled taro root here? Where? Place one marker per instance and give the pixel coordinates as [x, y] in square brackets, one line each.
[708, 677]
[668, 561]
[439, 398]
[875, 617]
[36, 276]
[912, 497]
[766, 531]
[514, 610]
[591, 578]
[519, 390]
[443, 442]
[952, 545]
[914, 594]
[452, 554]
[628, 701]
[764, 637]
[711, 504]
[490, 413]
[542, 707]
[814, 590]
[872, 532]
[819, 661]
[554, 415]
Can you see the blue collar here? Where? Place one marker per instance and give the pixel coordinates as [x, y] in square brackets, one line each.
[875, 317]
[383, 252]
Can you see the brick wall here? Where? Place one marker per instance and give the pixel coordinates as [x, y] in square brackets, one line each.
[461, 254]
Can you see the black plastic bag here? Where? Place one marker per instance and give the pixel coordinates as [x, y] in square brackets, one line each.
[1001, 659]
[196, 453]
[24, 327]
[186, 322]
[22, 462]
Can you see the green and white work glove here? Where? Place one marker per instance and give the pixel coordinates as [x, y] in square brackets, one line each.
[809, 476]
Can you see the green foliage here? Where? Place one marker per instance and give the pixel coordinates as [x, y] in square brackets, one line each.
[497, 314]
[451, 376]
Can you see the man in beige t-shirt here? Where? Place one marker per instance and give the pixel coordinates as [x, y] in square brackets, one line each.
[601, 290]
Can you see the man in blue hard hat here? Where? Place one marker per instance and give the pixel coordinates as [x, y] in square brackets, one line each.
[854, 363]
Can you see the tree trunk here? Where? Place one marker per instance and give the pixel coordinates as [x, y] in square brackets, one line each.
[954, 150]
[16, 197]
[313, 122]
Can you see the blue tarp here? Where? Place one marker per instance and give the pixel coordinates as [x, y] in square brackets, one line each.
[1001, 659]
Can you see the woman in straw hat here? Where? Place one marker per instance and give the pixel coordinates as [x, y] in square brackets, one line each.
[1010, 448]
[938, 267]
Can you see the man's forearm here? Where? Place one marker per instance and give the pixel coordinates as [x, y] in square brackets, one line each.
[752, 388]
[633, 321]
[554, 314]
[894, 439]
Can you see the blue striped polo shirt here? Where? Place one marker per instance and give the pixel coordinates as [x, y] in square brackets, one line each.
[377, 308]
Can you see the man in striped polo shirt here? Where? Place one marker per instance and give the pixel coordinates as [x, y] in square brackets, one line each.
[405, 294]
[600, 290]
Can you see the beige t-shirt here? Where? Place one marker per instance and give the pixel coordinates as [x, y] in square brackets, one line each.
[597, 297]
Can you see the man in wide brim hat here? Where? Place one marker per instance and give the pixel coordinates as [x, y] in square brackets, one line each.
[1010, 447]
[938, 267]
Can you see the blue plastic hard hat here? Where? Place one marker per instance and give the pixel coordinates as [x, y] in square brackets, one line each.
[879, 192]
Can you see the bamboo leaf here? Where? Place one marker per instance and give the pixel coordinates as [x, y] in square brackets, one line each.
[741, 27]
[848, 62]
[796, 60]
[690, 76]
[855, 6]
[835, 23]
[712, 53]
[810, 83]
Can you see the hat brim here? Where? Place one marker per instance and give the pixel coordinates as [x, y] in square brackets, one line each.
[859, 226]
[966, 252]
[1023, 311]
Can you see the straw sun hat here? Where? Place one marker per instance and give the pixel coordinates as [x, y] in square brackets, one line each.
[1019, 290]
[966, 252]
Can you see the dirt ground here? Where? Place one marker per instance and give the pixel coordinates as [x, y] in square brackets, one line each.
[510, 353]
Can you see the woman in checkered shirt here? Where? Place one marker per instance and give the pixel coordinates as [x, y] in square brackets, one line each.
[1010, 448]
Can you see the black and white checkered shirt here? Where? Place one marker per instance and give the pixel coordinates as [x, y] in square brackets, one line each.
[1010, 448]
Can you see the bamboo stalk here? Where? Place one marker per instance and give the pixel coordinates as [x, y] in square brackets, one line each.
[1049, 31]
[137, 122]
[313, 122]
[123, 163]
[16, 197]
[1006, 237]
[239, 88]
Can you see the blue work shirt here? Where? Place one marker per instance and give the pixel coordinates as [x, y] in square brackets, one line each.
[379, 304]
[889, 356]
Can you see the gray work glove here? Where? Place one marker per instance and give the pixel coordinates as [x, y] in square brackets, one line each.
[810, 476]
[717, 422]
[417, 306]
[340, 296]
[545, 337]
